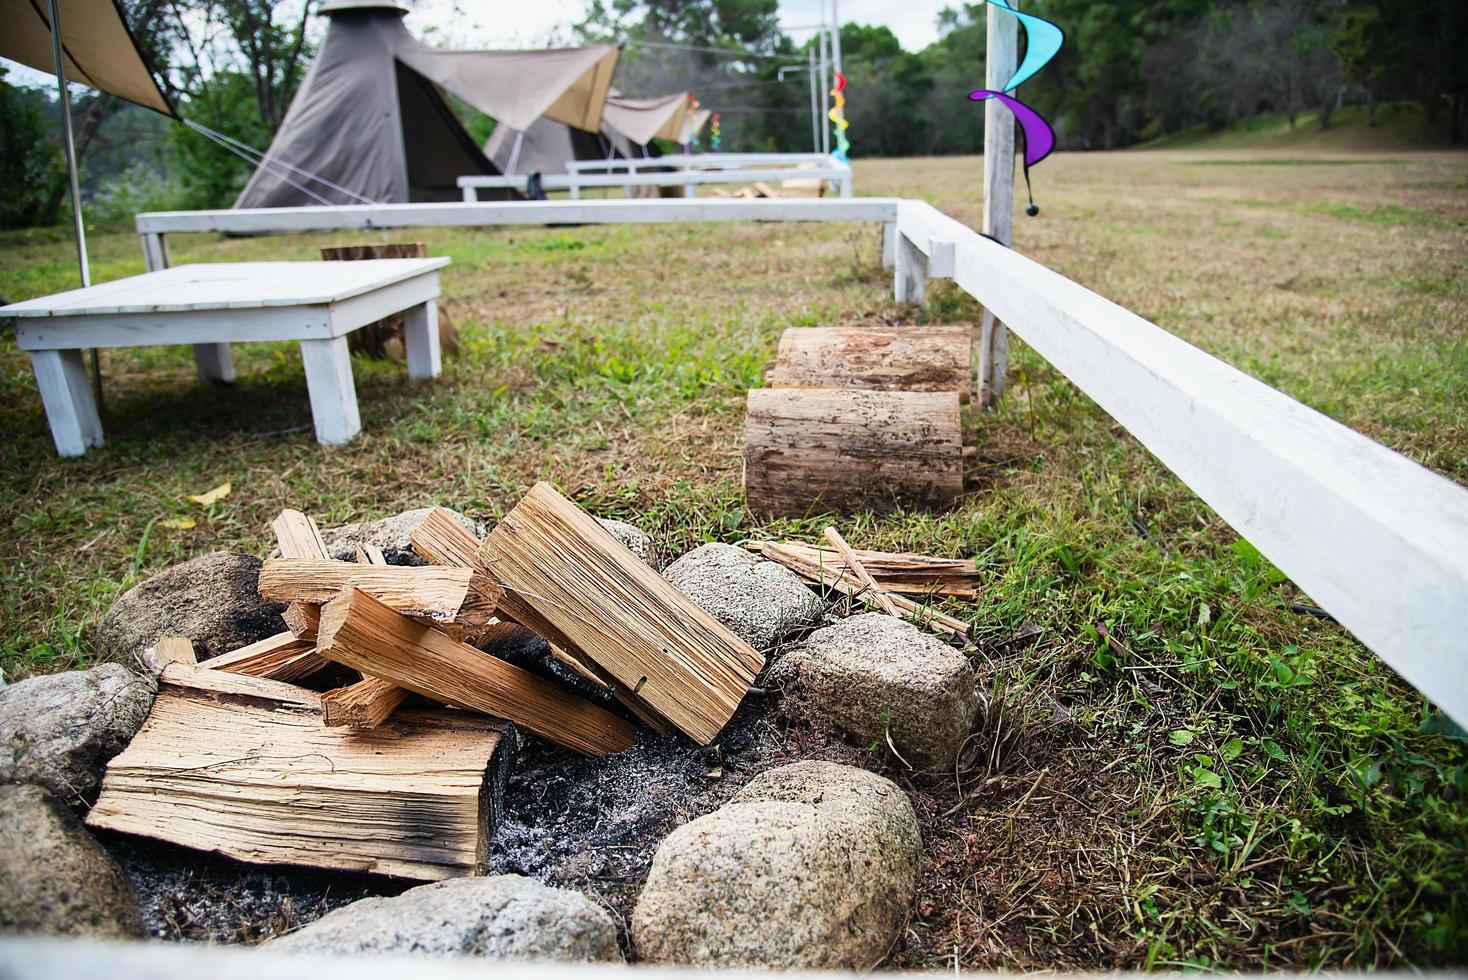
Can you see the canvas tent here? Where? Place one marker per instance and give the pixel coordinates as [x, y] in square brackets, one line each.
[371, 123]
[627, 127]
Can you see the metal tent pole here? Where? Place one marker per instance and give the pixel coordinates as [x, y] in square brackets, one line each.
[76, 197]
[815, 104]
[825, 42]
[514, 151]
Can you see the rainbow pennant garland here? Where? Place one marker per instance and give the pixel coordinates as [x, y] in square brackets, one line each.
[837, 115]
[714, 133]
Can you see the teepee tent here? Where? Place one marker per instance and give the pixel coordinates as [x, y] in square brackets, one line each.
[627, 127]
[371, 123]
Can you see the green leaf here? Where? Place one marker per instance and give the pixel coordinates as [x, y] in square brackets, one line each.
[1231, 749]
[1181, 737]
[1272, 749]
[1207, 778]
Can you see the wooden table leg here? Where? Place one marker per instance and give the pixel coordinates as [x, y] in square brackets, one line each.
[333, 395]
[214, 362]
[420, 337]
[67, 395]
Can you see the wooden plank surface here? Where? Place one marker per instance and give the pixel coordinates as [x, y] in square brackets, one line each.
[229, 286]
[361, 632]
[282, 657]
[244, 767]
[568, 579]
[819, 450]
[932, 358]
[435, 592]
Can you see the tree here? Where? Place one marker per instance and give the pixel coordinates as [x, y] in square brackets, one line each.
[30, 158]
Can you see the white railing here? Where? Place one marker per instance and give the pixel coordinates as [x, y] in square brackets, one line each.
[704, 161]
[837, 174]
[1377, 540]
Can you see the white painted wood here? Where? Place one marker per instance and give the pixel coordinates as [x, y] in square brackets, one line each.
[333, 393]
[366, 217]
[214, 362]
[228, 286]
[420, 338]
[940, 258]
[688, 179]
[1001, 57]
[155, 252]
[889, 244]
[702, 161]
[1377, 540]
[159, 329]
[910, 274]
[67, 395]
[358, 311]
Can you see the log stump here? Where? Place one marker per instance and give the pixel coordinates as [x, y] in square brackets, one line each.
[875, 358]
[817, 450]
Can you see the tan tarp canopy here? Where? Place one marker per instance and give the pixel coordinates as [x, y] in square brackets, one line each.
[644, 120]
[98, 49]
[371, 121]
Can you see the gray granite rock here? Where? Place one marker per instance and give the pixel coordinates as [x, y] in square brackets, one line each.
[214, 600]
[392, 534]
[638, 541]
[874, 674]
[761, 601]
[811, 866]
[59, 730]
[55, 879]
[500, 917]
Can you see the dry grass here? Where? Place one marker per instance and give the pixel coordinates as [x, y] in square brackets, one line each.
[1177, 770]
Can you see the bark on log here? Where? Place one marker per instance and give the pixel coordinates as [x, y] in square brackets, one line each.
[875, 359]
[242, 766]
[817, 450]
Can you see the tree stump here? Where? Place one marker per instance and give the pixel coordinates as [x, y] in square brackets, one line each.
[385, 337]
[875, 358]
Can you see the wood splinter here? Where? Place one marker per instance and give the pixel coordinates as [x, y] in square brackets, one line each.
[847, 555]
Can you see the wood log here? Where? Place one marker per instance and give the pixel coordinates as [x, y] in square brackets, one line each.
[816, 450]
[440, 539]
[438, 593]
[361, 632]
[847, 584]
[902, 572]
[875, 359]
[242, 766]
[568, 579]
[370, 701]
[365, 704]
[282, 657]
[169, 650]
[855, 567]
[297, 536]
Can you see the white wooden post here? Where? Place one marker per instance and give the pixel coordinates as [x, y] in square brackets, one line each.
[992, 362]
[67, 395]
[420, 337]
[471, 194]
[155, 251]
[333, 395]
[889, 244]
[214, 362]
[910, 276]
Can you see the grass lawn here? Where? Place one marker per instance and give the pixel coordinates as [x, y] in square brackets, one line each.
[1178, 769]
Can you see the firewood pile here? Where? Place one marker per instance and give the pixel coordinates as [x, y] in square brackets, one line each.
[243, 755]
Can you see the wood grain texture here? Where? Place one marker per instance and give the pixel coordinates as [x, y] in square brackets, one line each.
[902, 572]
[297, 535]
[875, 359]
[816, 450]
[856, 568]
[846, 583]
[282, 657]
[361, 632]
[365, 704]
[438, 593]
[568, 579]
[242, 766]
[169, 650]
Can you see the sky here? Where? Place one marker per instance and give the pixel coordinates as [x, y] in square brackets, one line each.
[511, 24]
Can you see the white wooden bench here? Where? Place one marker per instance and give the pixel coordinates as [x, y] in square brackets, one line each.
[211, 306]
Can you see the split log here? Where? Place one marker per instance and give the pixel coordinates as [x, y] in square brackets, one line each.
[875, 359]
[846, 583]
[298, 537]
[371, 701]
[568, 579]
[302, 618]
[362, 632]
[169, 650]
[814, 450]
[854, 565]
[903, 572]
[442, 540]
[365, 704]
[282, 657]
[242, 766]
[438, 593]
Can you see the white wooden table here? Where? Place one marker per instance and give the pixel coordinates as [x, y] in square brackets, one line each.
[211, 306]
